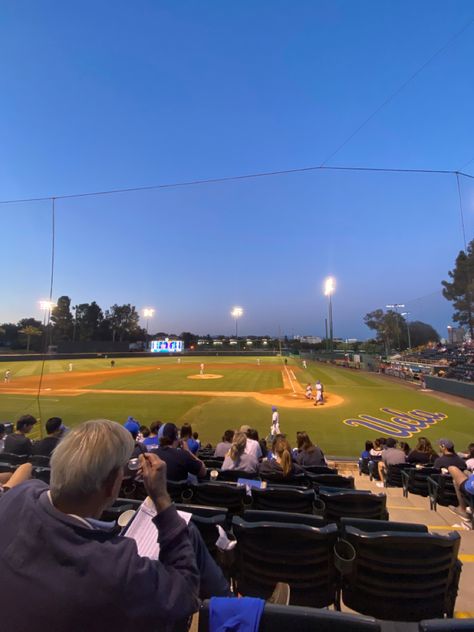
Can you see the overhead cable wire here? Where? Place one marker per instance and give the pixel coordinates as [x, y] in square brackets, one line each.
[236, 178]
[399, 89]
[461, 212]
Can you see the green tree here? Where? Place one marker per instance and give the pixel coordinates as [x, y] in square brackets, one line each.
[460, 290]
[61, 318]
[390, 328]
[422, 333]
[30, 331]
[87, 322]
[123, 321]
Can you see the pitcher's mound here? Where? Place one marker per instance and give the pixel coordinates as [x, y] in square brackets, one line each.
[205, 376]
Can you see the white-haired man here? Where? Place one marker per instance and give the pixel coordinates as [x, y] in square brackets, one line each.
[62, 569]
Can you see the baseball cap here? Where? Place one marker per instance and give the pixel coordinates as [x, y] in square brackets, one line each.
[132, 425]
[469, 486]
[274, 408]
[446, 443]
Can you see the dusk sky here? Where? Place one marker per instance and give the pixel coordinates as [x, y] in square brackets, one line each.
[100, 95]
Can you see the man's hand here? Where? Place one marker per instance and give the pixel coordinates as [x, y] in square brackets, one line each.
[153, 470]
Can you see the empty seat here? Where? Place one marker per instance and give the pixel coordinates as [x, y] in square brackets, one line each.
[233, 497]
[300, 555]
[415, 480]
[333, 480]
[441, 491]
[258, 515]
[402, 576]
[284, 499]
[393, 474]
[354, 504]
[276, 618]
[13, 459]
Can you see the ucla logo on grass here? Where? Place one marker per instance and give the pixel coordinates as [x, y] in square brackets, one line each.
[401, 424]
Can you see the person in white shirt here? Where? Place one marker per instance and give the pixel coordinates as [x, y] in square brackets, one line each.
[319, 399]
[304, 364]
[8, 375]
[253, 446]
[309, 391]
[201, 369]
[70, 366]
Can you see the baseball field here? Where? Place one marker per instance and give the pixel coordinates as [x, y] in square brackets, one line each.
[227, 392]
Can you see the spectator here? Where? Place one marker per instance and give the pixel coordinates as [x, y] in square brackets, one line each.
[2, 437]
[153, 441]
[224, 446]
[405, 447]
[180, 462]
[423, 453]
[376, 451]
[237, 459]
[139, 448]
[365, 454]
[8, 480]
[143, 434]
[470, 457]
[390, 456]
[54, 430]
[308, 453]
[464, 486]
[281, 466]
[253, 446]
[17, 442]
[186, 434]
[196, 438]
[93, 578]
[448, 456]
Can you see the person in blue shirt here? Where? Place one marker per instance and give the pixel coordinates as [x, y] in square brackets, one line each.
[186, 434]
[152, 441]
[365, 454]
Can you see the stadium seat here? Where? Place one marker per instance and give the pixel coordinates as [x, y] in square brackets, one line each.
[446, 625]
[402, 576]
[387, 526]
[298, 480]
[351, 503]
[213, 463]
[283, 498]
[257, 515]
[332, 480]
[119, 507]
[233, 497]
[13, 459]
[300, 555]
[6, 467]
[39, 460]
[277, 618]
[320, 469]
[207, 519]
[441, 491]
[393, 474]
[234, 475]
[415, 480]
[176, 489]
[42, 473]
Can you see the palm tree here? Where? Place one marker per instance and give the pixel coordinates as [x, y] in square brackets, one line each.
[28, 332]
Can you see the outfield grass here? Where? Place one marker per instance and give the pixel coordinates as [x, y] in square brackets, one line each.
[363, 393]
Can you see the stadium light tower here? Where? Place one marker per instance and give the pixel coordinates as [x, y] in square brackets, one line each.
[148, 313]
[236, 313]
[395, 307]
[46, 307]
[329, 288]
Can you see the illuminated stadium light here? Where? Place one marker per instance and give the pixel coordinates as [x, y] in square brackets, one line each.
[148, 312]
[237, 312]
[329, 286]
[46, 305]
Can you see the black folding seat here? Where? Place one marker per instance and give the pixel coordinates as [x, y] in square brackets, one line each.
[332, 480]
[441, 491]
[352, 503]
[232, 497]
[284, 498]
[415, 480]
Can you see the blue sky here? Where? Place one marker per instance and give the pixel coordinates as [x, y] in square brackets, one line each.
[99, 95]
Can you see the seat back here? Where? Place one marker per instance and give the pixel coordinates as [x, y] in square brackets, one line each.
[214, 463]
[39, 460]
[441, 490]
[13, 459]
[446, 625]
[333, 480]
[42, 473]
[402, 576]
[300, 555]
[283, 499]
[226, 495]
[234, 475]
[176, 490]
[276, 618]
[393, 477]
[351, 503]
[297, 480]
[258, 515]
[415, 480]
[207, 520]
[320, 469]
[388, 526]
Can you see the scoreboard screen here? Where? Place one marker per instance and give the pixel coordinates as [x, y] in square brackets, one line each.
[166, 346]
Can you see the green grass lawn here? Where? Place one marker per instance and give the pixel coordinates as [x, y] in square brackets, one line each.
[363, 393]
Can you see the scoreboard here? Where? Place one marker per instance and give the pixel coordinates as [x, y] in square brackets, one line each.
[166, 346]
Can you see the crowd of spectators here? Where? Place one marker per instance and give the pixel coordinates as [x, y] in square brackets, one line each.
[448, 360]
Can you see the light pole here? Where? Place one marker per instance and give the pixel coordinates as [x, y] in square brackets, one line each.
[46, 307]
[395, 307]
[408, 329]
[329, 287]
[236, 313]
[148, 313]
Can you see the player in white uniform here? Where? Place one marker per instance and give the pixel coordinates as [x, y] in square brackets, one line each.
[258, 361]
[201, 369]
[319, 399]
[70, 367]
[275, 427]
[304, 364]
[309, 391]
[8, 375]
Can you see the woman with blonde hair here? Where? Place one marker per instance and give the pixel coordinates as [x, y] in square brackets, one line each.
[281, 466]
[237, 459]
